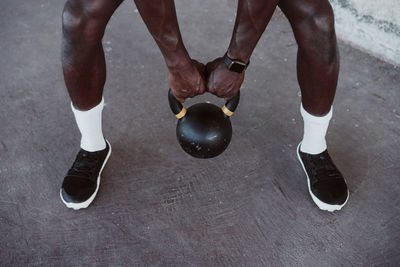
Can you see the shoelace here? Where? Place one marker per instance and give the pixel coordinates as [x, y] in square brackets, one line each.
[83, 165]
[323, 169]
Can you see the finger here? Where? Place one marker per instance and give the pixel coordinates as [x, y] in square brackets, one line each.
[179, 96]
[210, 83]
[231, 94]
[226, 94]
[203, 88]
[215, 90]
[200, 89]
[210, 66]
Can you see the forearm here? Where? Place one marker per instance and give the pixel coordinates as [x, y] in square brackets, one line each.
[160, 18]
[251, 20]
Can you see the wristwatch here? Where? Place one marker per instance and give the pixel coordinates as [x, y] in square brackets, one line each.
[234, 65]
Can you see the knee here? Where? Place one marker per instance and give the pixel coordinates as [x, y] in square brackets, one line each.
[82, 23]
[315, 21]
[323, 23]
[315, 29]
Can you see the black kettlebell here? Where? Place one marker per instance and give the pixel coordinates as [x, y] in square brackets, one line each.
[203, 130]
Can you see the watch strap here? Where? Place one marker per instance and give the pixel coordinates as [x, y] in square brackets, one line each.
[234, 65]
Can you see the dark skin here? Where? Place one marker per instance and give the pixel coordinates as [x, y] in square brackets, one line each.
[318, 55]
[251, 20]
[84, 22]
[83, 59]
[317, 59]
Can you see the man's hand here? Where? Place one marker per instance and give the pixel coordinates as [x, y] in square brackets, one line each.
[187, 80]
[221, 81]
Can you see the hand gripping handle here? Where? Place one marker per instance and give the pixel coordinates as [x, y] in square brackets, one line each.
[177, 108]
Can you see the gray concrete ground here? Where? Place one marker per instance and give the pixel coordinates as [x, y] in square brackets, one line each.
[158, 206]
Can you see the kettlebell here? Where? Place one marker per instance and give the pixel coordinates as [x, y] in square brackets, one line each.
[203, 130]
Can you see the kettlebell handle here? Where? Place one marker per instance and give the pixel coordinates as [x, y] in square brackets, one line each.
[177, 108]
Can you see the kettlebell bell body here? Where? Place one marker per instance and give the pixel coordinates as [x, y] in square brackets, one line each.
[203, 130]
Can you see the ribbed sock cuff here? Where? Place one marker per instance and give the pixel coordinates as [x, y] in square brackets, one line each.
[99, 106]
[89, 123]
[315, 129]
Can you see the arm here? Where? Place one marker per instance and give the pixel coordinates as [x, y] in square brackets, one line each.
[185, 76]
[251, 20]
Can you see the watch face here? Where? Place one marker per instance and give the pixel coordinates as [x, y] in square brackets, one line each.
[237, 67]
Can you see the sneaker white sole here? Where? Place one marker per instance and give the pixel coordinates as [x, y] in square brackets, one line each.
[85, 204]
[319, 203]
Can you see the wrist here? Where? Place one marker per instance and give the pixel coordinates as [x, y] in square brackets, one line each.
[236, 54]
[235, 65]
[177, 60]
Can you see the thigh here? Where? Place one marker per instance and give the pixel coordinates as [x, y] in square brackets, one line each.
[299, 11]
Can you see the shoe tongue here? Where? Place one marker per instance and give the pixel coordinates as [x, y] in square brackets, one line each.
[88, 155]
[324, 168]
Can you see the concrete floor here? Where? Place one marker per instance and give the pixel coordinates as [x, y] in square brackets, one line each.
[158, 206]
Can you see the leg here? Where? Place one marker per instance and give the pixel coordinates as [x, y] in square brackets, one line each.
[84, 22]
[317, 70]
[317, 58]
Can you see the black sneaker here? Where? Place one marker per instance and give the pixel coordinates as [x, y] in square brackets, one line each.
[326, 184]
[82, 181]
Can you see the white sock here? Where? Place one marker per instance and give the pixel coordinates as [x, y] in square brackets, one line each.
[314, 132]
[89, 124]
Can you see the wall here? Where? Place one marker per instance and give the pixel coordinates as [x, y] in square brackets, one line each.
[372, 26]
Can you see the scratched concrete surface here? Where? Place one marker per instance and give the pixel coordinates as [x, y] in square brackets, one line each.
[156, 205]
